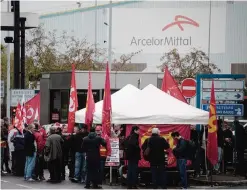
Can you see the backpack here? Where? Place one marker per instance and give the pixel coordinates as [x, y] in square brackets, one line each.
[191, 149]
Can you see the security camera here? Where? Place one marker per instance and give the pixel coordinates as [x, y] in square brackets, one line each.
[8, 39]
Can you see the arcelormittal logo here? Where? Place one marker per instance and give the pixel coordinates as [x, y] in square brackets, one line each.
[181, 20]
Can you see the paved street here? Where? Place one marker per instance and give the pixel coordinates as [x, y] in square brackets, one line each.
[12, 182]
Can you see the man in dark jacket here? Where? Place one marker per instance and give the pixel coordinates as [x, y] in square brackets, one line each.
[30, 152]
[180, 152]
[19, 145]
[80, 156]
[220, 139]
[241, 168]
[133, 155]
[91, 145]
[157, 146]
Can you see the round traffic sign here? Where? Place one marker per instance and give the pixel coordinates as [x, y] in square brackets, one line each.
[188, 88]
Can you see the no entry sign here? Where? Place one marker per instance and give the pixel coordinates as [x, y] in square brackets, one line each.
[188, 88]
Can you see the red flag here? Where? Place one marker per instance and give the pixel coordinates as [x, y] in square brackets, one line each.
[106, 111]
[33, 109]
[212, 143]
[73, 102]
[90, 106]
[18, 123]
[23, 110]
[170, 86]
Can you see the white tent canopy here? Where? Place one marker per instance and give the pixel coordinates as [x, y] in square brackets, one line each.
[118, 98]
[153, 106]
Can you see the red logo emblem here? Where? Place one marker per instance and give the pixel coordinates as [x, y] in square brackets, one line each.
[179, 22]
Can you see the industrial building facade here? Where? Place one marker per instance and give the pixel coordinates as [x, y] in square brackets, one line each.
[226, 47]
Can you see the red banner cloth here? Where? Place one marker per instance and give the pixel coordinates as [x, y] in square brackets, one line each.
[170, 86]
[33, 109]
[73, 102]
[165, 131]
[90, 105]
[212, 144]
[18, 122]
[106, 111]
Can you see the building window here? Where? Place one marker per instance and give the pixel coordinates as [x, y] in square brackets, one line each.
[64, 106]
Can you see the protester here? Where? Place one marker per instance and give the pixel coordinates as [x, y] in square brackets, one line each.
[241, 168]
[4, 147]
[91, 145]
[12, 149]
[64, 152]
[220, 139]
[53, 155]
[228, 145]
[133, 155]
[66, 148]
[80, 155]
[156, 156]
[71, 153]
[104, 152]
[19, 149]
[40, 137]
[180, 152]
[30, 153]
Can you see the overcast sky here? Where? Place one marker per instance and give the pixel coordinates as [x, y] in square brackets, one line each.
[43, 7]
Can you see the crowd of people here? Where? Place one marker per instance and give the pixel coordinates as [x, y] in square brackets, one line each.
[32, 150]
[85, 152]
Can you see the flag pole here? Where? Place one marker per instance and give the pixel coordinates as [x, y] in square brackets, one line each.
[206, 164]
[109, 58]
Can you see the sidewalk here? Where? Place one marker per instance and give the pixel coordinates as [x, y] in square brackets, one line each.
[223, 179]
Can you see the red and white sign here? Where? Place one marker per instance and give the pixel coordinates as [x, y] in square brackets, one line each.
[188, 88]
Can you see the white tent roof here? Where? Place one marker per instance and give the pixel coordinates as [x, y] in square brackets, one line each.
[153, 106]
[118, 98]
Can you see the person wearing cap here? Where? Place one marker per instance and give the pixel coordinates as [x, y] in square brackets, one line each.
[91, 145]
[104, 152]
[133, 155]
[156, 157]
[80, 155]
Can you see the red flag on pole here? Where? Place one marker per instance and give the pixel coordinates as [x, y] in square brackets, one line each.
[33, 109]
[73, 102]
[106, 111]
[90, 106]
[212, 143]
[170, 86]
[18, 123]
[23, 110]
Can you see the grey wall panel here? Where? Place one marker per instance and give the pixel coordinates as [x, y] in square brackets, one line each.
[44, 97]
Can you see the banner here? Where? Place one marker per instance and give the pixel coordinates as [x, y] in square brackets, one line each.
[165, 131]
[33, 109]
[114, 159]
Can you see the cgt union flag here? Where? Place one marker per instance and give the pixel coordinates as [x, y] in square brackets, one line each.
[33, 109]
[170, 86]
[90, 106]
[212, 145]
[73, 102]
[106, 111]
[18, 122]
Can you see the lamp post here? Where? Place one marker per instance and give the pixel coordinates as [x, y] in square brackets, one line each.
[110, 37]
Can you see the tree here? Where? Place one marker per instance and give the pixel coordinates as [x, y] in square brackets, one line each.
[189, 65]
